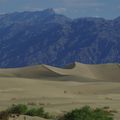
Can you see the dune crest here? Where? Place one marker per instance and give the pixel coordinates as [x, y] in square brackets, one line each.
[79, 71]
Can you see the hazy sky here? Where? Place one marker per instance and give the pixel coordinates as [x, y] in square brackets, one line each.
[71, 8]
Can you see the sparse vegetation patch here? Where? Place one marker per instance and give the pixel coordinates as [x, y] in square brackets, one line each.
[87, 113]
[22, 109]
[84, 113]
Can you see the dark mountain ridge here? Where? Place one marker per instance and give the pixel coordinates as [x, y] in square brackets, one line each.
[45, 37]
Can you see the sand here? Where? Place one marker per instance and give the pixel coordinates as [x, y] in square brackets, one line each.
[59, 90]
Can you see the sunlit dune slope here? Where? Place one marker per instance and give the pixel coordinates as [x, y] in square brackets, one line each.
[106, 72]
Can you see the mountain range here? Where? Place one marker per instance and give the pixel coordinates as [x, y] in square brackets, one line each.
[45, 37]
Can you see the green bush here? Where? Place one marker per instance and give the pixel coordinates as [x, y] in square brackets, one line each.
[32, 112]
[18, 109]
[38, 112]
[23, 110]
[87, 113]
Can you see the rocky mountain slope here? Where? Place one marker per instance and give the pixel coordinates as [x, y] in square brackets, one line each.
[45, 37]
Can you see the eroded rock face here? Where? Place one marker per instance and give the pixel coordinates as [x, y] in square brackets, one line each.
[46, 37]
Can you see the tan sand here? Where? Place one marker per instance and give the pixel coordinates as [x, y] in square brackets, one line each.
[59, 90]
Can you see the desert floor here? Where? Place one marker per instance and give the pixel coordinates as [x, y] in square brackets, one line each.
[59, 96]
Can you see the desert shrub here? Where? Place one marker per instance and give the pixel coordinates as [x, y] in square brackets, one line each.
[32, 112]
[18, 109]
[87, 113]
[38, 112]
[22, 109]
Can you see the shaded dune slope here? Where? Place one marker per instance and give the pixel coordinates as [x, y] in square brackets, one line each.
[75, 71]
[38, 71]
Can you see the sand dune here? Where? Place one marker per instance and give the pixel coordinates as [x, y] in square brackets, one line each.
[75, 71]
[29, 72]
[61, 89]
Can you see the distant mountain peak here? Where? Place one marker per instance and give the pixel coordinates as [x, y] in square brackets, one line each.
[49, 11]
[117, 19]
